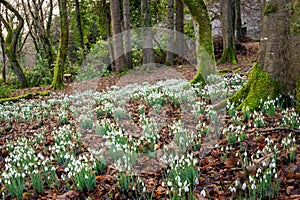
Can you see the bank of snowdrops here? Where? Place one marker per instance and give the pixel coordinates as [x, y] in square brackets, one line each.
[67, 141]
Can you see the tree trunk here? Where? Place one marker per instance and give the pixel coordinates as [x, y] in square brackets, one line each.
[11, 42]
[229, 54]
[148, 52]
[120, 61]
[205, 51]
[80, 31]
[180, 43]
[127, 43]
[3, 54]
[278, 69]
[63, 46]
[170, 41]
[238, 20]
[107, 21]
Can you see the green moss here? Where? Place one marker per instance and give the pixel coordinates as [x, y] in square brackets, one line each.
[225, 71]
[295, 22]
[259, 86]
[198, 79]
[298, 95]
[270, 8]
[238, 70]
[228, 56]
[25, 96]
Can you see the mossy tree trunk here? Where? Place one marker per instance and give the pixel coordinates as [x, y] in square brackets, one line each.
[57, 82]
[278, 56]
[11, 43]
[228, 19]
[205, 48]
[3, 54]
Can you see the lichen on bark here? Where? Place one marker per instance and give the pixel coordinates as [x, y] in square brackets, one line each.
[259, 87]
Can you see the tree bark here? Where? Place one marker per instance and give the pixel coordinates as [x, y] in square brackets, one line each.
[11, 42]
[170, 41]
[115, 11]
[238, 20]
[127, 42]
[148, 51]
[63, 46]
[180, 43]
[229, 54]
[3, 54]
[205, 51]
[80, 31]
[107, 21]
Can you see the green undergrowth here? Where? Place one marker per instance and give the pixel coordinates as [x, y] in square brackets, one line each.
[25, 96]
[259, 86]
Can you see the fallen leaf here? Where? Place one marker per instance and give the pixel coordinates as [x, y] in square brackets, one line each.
[159, 191]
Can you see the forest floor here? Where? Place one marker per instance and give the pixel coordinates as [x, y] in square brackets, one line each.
[257, 155]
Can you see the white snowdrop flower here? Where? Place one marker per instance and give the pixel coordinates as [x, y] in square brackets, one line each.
[264, 164]
[203, 193]
[163, 184]
[275, 176]
[86, 176]
[232, 189]
[251, 179]
[272, 165]
[244, 186]
[179, 184]
[169, 183]
[186, 188]
[253, 186]
[274, 171]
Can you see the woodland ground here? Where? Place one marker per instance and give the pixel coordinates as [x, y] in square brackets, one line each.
[218, 172]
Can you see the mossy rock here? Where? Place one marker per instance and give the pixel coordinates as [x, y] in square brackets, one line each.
[25, 96]
[298, 95]
[259, 87]
[270, 8]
